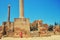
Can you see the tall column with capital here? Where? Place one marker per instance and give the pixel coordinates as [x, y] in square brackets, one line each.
[21, 8]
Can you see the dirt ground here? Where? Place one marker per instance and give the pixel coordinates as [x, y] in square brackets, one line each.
[53, 37]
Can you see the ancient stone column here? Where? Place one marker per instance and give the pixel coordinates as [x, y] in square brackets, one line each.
[9, 13]
[21, 7]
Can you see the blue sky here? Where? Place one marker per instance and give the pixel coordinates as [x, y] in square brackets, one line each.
[46, 10]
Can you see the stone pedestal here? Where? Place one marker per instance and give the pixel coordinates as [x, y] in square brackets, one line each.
[22, 25]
